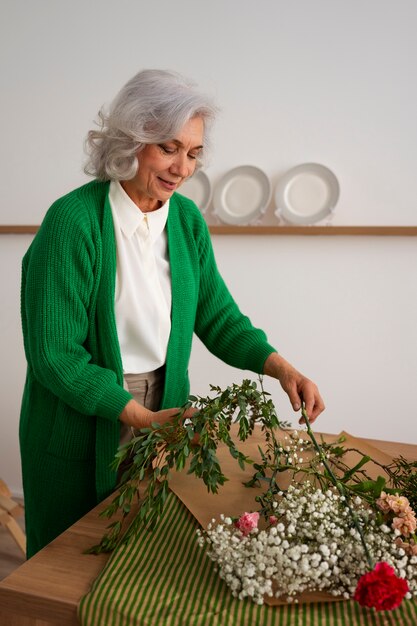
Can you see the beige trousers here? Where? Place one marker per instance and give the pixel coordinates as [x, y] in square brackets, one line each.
[147, 389]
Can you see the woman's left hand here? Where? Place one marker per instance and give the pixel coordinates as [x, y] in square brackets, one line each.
[299, 388]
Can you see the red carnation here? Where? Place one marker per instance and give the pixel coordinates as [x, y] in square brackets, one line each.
[381, 588]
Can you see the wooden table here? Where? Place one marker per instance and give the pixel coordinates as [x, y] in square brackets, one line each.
[46, 590]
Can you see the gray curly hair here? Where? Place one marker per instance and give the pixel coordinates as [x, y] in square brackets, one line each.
[152, 107]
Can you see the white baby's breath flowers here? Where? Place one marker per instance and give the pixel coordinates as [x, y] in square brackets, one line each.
[313, 546]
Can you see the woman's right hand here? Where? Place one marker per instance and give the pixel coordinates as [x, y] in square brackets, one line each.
[137, 416]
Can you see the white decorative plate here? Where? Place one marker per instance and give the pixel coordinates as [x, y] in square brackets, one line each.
[198, 189]
[306, 194]
[241, 195]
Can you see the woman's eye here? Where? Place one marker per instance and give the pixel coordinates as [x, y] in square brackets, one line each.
[167, 149]
[194, 155]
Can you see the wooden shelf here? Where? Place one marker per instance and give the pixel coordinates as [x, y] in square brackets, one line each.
[392, 231]
[13, 229]
[402, 231]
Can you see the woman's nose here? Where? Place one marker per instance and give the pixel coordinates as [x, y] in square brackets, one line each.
[180, 166]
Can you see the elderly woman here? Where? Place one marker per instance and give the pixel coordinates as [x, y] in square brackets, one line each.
[116, 281]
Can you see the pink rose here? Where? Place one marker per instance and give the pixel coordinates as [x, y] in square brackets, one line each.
[273, 520]
[247, 522]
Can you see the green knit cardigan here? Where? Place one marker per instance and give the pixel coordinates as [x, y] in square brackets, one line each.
[74, 386]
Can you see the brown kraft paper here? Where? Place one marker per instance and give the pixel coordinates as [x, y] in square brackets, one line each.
[233, 498]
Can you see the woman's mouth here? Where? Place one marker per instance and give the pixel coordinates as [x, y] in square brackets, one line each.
[167, 184]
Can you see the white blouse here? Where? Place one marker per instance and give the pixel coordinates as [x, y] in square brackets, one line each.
[143, 283]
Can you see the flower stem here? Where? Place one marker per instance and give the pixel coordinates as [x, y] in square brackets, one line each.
[337, 484]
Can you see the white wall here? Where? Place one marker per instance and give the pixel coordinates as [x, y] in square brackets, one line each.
[326, 81]
[343, 310]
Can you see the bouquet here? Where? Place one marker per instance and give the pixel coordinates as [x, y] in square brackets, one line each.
[327, 527]
[312, 539]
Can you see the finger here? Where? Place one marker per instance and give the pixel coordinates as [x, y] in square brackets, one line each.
[309, 404]
[309, 394]
[166, 416]
[317, 408]
[170, 413]
[188, 414]
[294, 398]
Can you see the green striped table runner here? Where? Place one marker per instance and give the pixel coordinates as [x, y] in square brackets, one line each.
[164, 579]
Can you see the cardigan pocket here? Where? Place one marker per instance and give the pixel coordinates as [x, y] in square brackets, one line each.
[72, 434]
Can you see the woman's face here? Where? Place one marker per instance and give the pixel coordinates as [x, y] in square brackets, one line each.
[164, 167]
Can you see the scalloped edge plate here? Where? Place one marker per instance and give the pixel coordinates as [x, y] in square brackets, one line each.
[241, 195]
[198, 189]
[306, 194]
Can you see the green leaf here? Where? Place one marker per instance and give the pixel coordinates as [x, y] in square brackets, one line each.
[241, 461]
[369, 486]
[357, 467]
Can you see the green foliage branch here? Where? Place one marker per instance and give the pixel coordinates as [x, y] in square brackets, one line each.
[157, 451]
